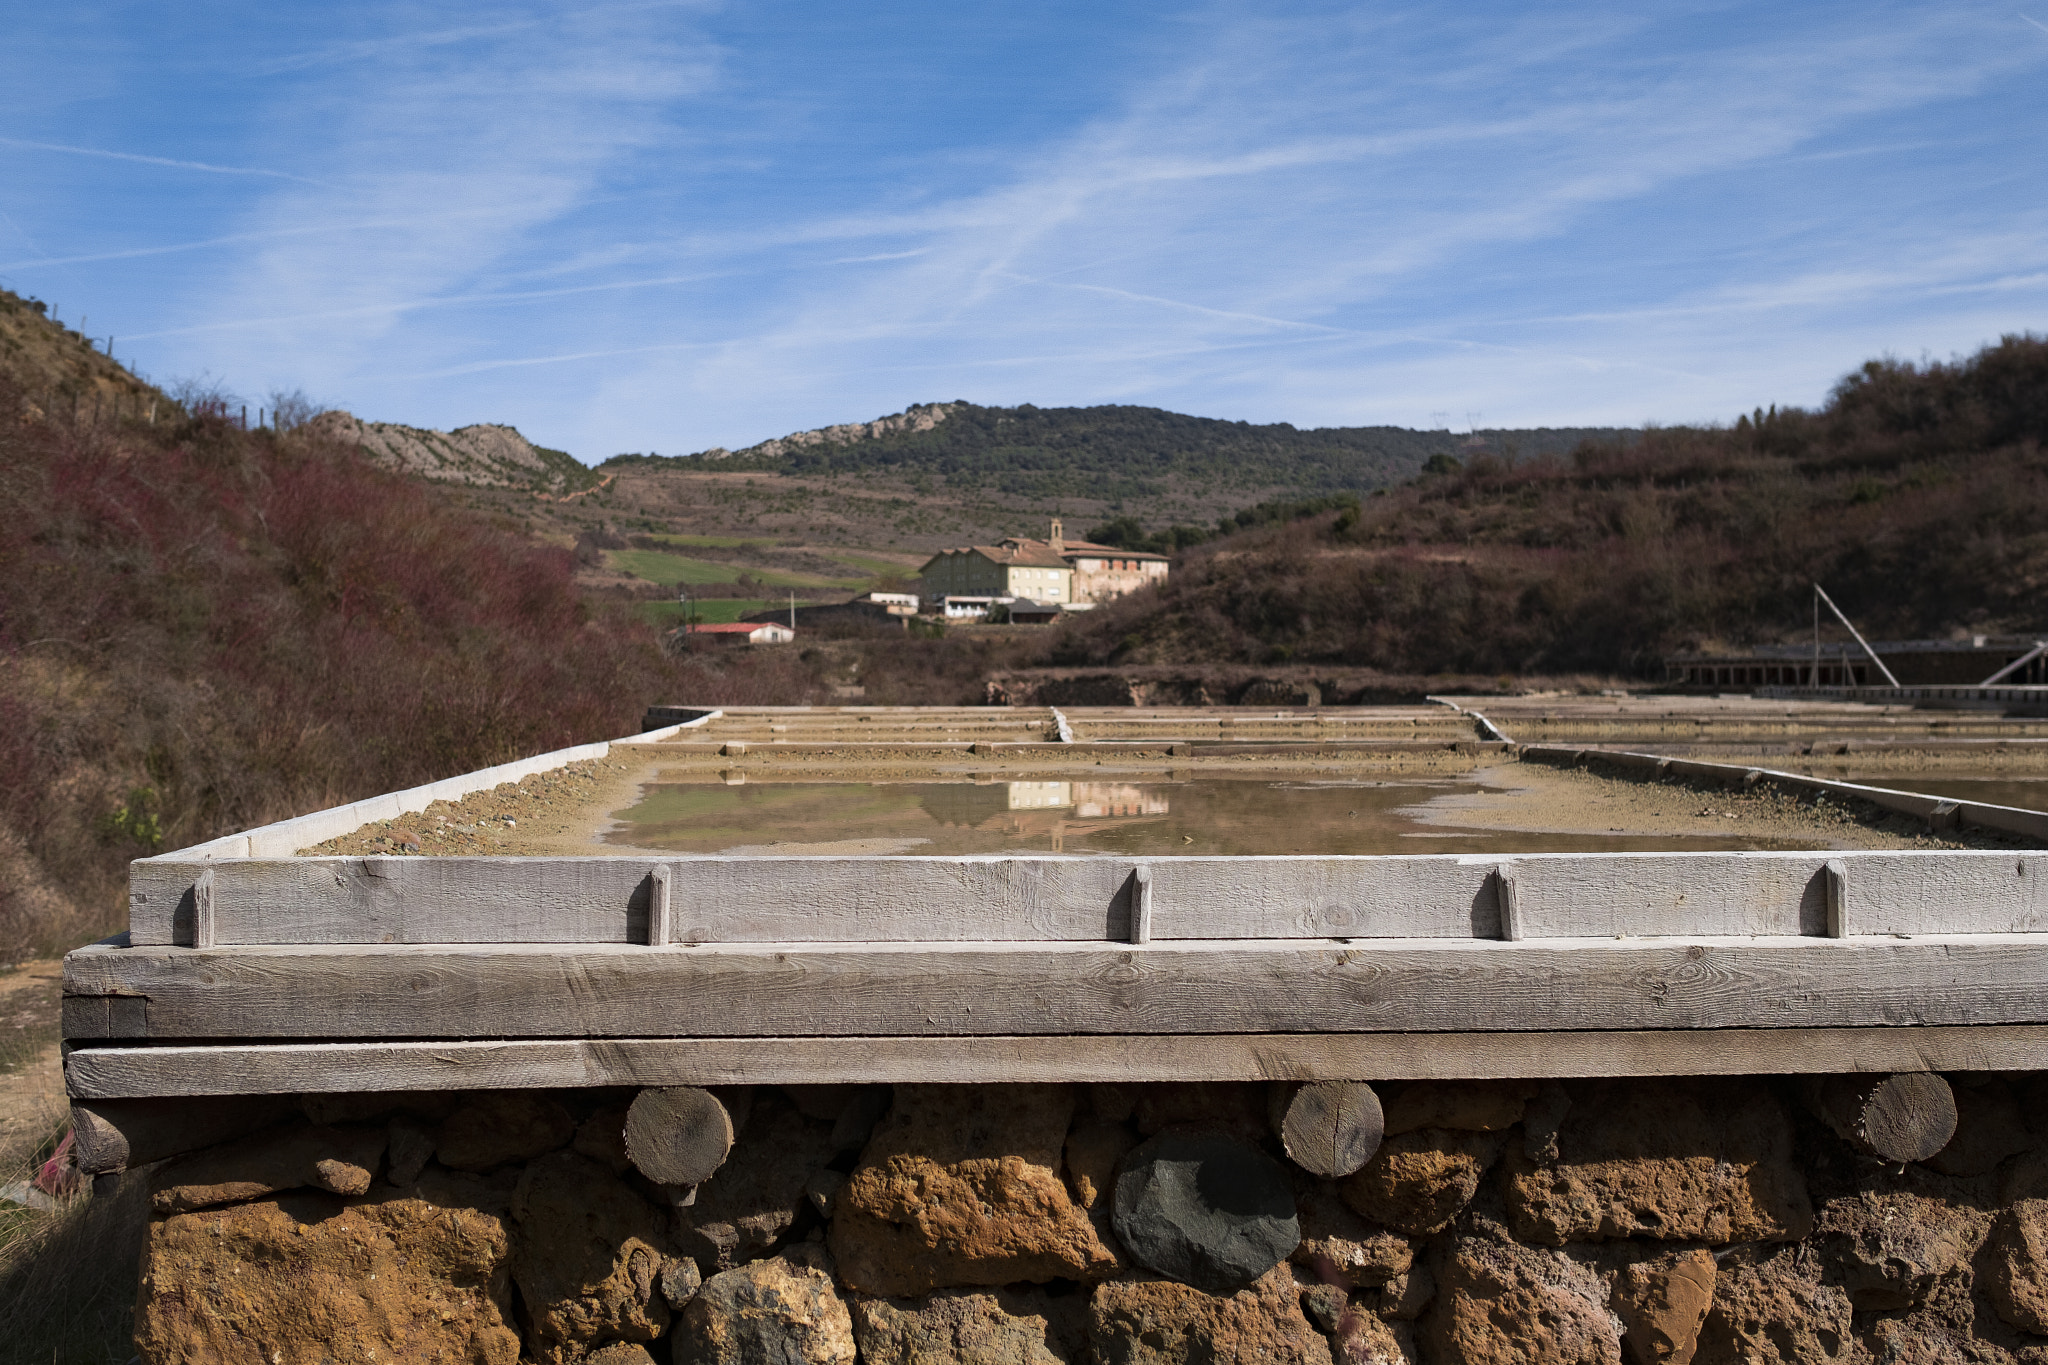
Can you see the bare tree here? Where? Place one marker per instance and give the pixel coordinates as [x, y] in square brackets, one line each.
[291, 408]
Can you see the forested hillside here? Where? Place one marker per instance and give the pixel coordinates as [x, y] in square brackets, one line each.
[1918, 495]
[1120, 453]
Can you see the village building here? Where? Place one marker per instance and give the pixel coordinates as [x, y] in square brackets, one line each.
[742, 633]
[1072, 574]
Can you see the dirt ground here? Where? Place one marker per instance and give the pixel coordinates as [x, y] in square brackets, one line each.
[1538, 798]
[32, 1101]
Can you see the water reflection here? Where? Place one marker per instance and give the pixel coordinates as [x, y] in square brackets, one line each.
[1197, 816]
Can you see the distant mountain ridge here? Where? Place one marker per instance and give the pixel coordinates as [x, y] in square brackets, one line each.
[485, 455]
[1121, 451]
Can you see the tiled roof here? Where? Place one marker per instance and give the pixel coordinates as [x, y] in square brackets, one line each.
[734, 627]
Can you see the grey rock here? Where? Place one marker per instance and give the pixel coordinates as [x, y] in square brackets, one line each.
[822, 1189]
[1206, 1210]
[680, 1280]
[496, 1127]
[780, 1311]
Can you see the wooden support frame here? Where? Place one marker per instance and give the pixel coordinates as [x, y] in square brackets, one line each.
[1068, 898]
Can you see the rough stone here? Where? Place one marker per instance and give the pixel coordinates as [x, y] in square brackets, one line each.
[822, 1102]
[1206, 1210]
[1093, 1151]
[621, 1353]
[364, 1106]
[602, 1137]
[1988, 1130]
[1891, 1248]
[496, 1127]
[753, 1201]
[1692, 1161]
[680, 1281]
[822, 1189]
[1663, 1303]
[1467, 1106]
[588, 1258]
[1407, 1297]
[1501, 1302]
[1159, 1322]
[1775, 1310]
[986, 1327]
[409, 1146]
[337, 1160]
[1542, 1118]
[961, 1186]
[2015, 1265]
[417, 1275]
[856, 1122]
[779, 1311]
[1343, 1249]
[1417, 1182]
[1235, 1107]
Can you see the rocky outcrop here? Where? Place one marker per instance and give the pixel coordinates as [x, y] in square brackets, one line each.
[418, 1275]
[917, 417]
[485, 455]
[962, 1186]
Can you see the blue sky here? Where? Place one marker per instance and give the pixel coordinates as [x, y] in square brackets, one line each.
[668, 226]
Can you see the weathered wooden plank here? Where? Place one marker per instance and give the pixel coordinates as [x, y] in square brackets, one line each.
[312, 1068]
[1079, 898]
[1280, 986]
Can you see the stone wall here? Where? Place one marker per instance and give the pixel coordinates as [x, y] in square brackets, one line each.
[1702, 1220]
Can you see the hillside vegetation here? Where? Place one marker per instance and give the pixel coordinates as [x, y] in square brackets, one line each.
[203, 628]
[1918, 495]
[1112, 453]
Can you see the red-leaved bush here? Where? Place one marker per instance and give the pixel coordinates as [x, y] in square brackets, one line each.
[204, 628]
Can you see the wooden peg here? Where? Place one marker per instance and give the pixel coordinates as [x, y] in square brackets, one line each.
[1141, 905]
[1510, 911]
[1837, 876]
[659, 913]
[202, 910]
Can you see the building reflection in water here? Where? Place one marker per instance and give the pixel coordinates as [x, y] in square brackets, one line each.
[1056, 811]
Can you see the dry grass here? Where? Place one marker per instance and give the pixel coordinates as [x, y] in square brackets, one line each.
[68, 1278]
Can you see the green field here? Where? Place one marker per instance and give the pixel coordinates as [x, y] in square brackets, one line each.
[658, 566]
[711, 610]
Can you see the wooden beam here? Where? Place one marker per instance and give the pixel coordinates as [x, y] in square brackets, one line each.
[720, 899]
[938, 989]
[311, 1068]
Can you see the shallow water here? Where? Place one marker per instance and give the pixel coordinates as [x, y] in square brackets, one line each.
[2028, 793]
[1203, 816]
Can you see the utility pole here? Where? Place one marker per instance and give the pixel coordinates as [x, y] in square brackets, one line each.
[792, 611]
[1823, 594]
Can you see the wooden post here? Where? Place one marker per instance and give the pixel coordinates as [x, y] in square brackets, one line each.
[1906, 1116]
[1329, 1128]
[677, 1135]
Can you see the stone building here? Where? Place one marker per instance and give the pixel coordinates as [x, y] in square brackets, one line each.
[1069, 573]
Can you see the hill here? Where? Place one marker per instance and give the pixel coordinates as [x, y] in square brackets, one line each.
[1117, 453]
[204, 627]
[1918, 495]
[484, 455]
[62, 372]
